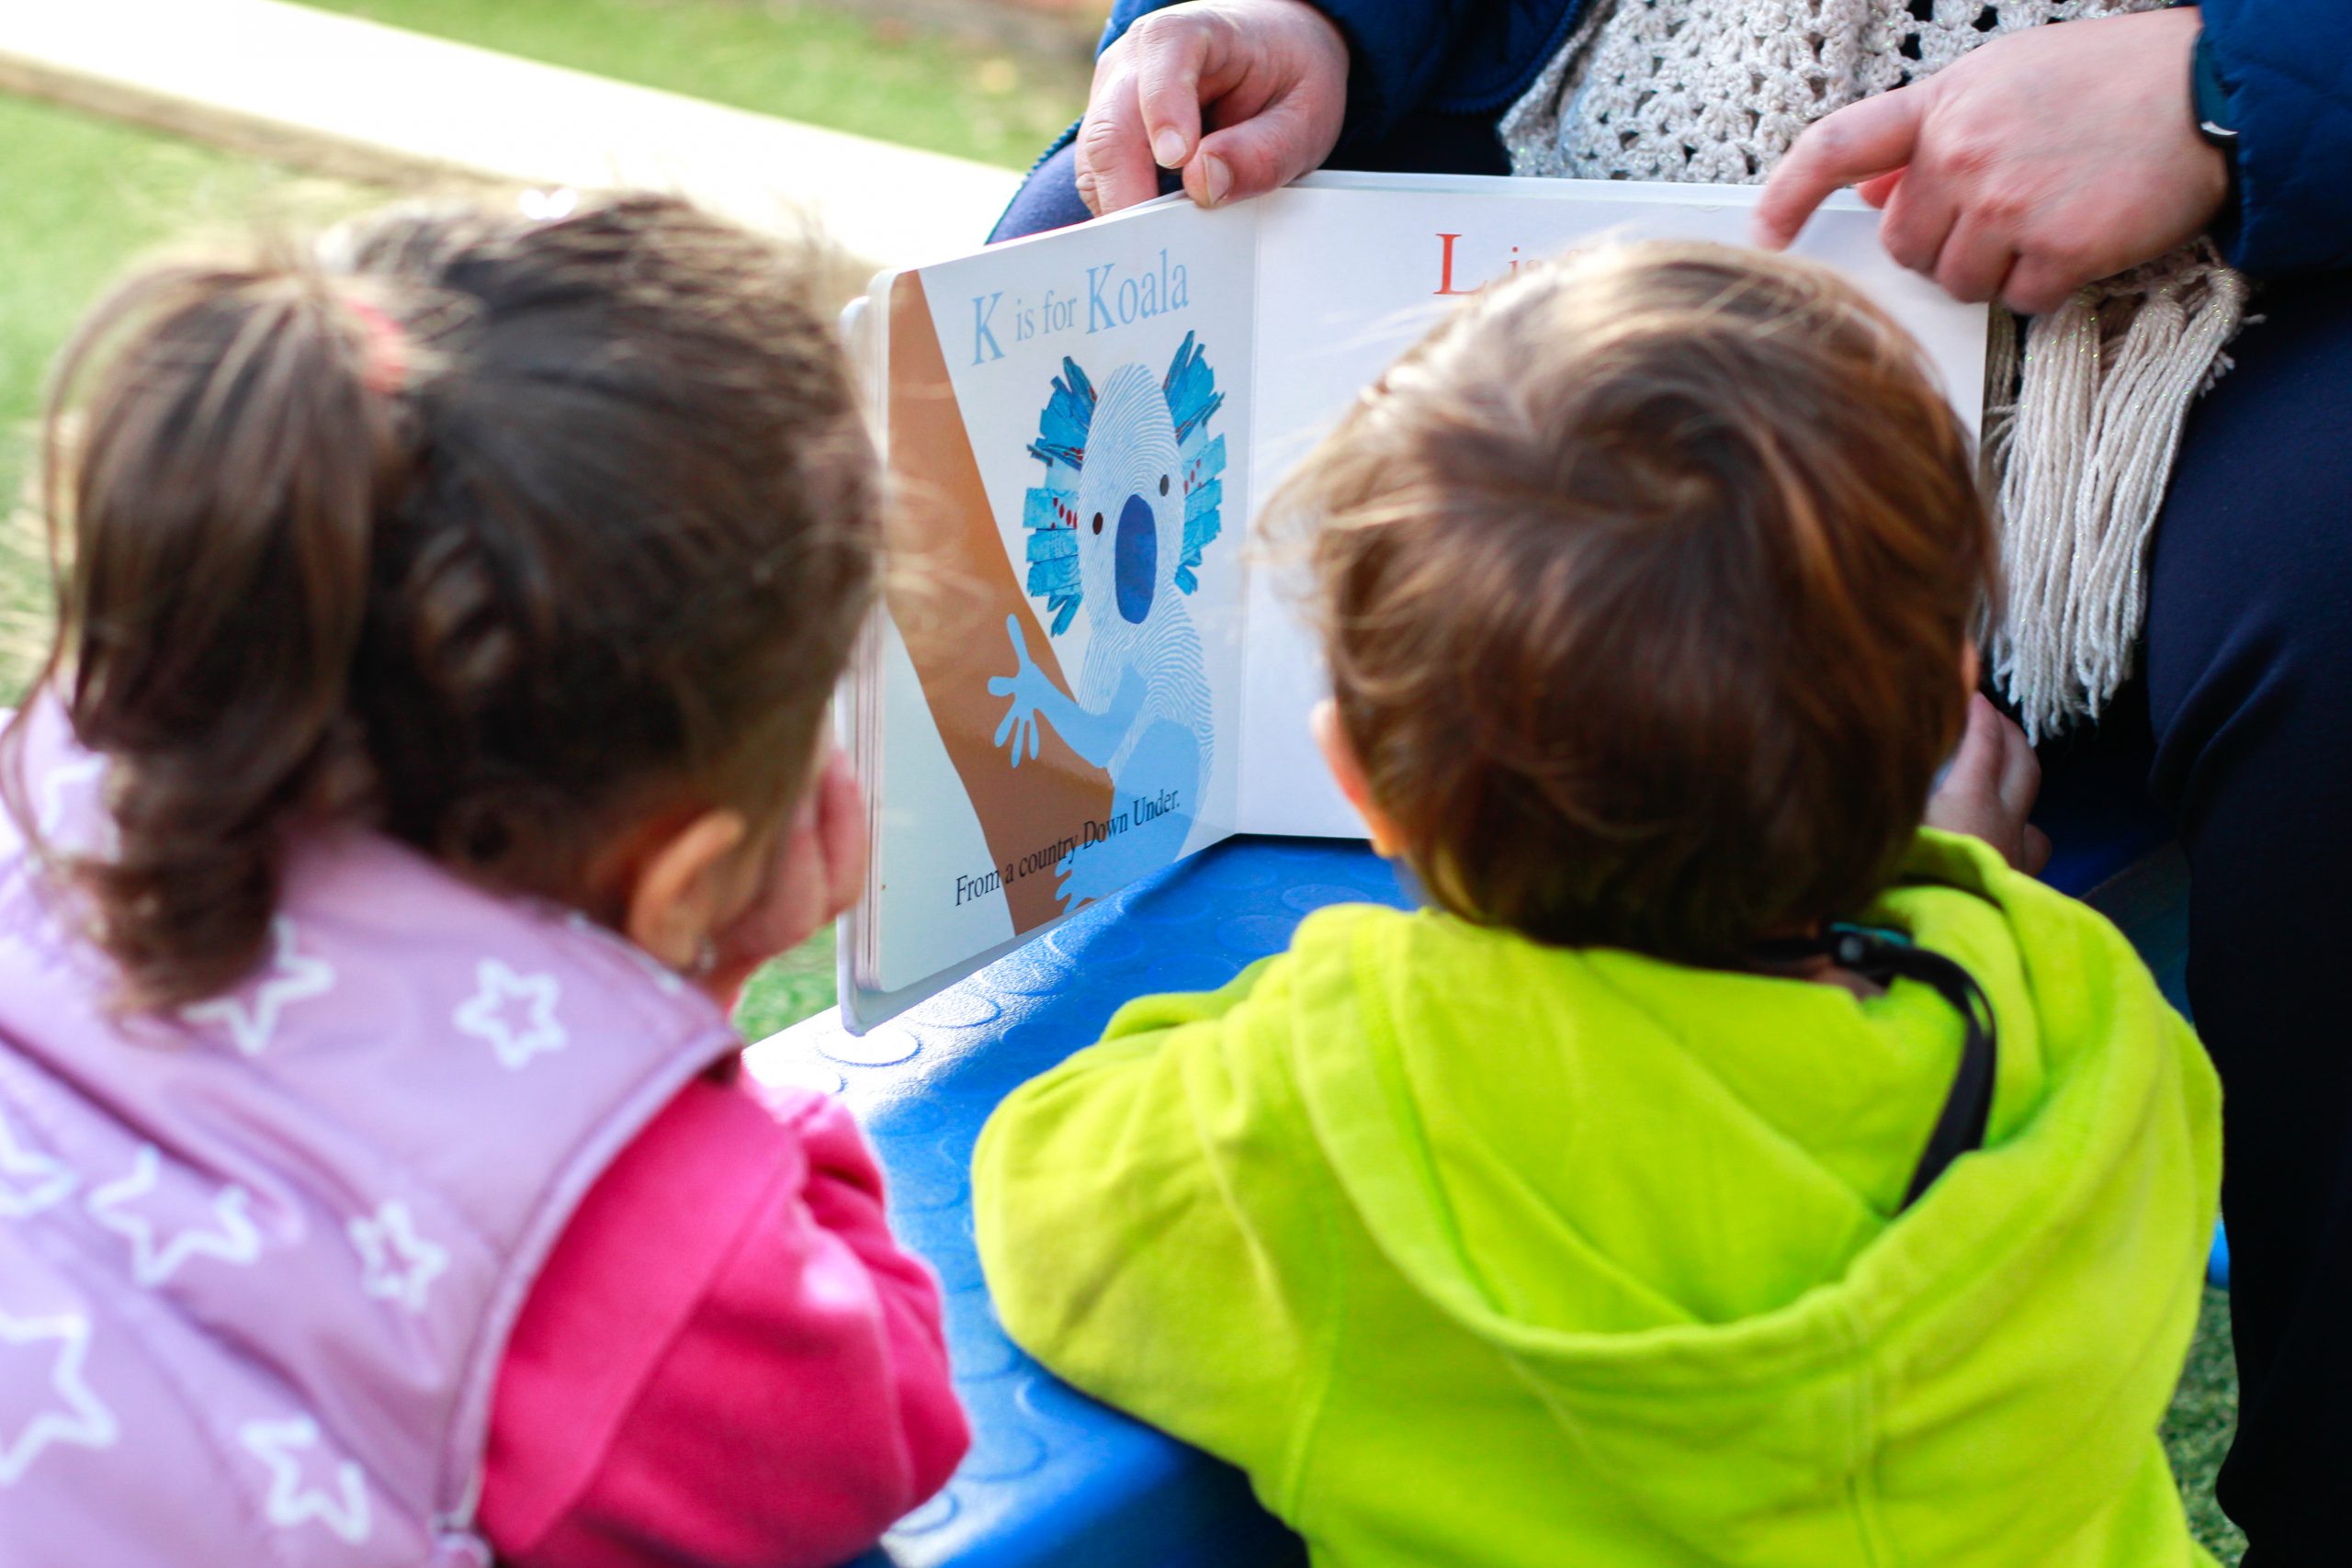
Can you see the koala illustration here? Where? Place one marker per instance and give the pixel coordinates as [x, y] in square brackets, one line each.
[1132, 497]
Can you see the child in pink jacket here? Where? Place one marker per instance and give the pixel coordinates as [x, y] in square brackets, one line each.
[431, 746]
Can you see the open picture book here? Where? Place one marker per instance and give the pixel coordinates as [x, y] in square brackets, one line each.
[1085, 667]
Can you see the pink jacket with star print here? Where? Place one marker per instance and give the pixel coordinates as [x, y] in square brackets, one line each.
[259, 1261]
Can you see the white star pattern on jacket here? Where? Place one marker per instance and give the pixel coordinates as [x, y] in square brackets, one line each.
[292, 1503]
[485, 1015]
[83, 1420]
[23, 911]
[29, 1181]
[58, 789]
[396, 1263]
[291, 977]
[231, 1237]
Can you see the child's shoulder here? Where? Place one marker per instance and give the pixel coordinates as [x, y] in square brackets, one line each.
[1351, 949]
[1377, 933]
[1952, 886]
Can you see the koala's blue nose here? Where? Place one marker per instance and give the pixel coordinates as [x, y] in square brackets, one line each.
[1136, 558]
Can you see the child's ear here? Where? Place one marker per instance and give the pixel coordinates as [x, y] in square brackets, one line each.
[1971, 669]
[686, 887]
[1340, 758]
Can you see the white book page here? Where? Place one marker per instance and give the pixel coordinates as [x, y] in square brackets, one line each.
[1350, 273]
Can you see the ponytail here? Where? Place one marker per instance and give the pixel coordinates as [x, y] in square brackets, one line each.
[476, 531]
[237, 440]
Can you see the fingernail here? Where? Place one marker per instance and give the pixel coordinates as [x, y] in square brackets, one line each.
[1169, 147]
[1218, 178]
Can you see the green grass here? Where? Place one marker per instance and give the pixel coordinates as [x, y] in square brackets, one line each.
[84, 195]
[798, 986]
[824, 67]
[2196, 1430]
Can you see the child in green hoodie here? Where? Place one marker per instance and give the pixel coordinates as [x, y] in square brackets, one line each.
[1727, 1169]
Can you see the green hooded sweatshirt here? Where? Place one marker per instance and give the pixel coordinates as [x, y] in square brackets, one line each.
[1475, 1251]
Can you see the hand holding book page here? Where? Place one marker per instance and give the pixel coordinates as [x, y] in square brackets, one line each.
[1093, 678]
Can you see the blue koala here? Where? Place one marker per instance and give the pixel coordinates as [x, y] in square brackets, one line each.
[1132, 496]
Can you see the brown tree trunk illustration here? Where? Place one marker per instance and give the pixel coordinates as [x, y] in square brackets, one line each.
[950, 600]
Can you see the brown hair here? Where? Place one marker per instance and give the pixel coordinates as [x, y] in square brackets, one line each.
[496, 534]
[1645, 581]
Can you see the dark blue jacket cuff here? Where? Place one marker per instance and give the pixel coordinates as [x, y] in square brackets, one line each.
[2287, 66]
[1413, 59]
[1396, 50]
[1396, 55]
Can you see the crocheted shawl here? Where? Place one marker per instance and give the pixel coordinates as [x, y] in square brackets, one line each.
[2085, 405]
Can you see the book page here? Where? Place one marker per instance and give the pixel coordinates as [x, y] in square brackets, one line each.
[1354, 268]
[1058, 678]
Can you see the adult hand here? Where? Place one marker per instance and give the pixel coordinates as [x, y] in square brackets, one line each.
[1268, 79]
[2031, 166]
[817, 870]
[1988, 792]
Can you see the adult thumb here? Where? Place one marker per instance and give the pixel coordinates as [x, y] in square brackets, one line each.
[1265, 151]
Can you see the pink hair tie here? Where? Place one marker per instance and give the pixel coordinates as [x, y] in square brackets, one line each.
[385, 366]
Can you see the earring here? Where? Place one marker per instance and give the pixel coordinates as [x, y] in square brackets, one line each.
[706, 959]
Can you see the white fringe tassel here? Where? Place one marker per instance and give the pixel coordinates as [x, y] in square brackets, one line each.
[2077, 465]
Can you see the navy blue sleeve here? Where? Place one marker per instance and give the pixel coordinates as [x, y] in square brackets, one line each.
[2286, 67]
[1395, 47]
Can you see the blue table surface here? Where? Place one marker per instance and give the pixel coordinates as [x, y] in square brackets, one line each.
[1053, 1477]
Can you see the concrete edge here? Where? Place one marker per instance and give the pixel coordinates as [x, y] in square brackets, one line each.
[320, 152]
[198, 69]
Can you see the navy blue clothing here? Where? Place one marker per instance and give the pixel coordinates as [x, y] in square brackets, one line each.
[1428, 78]
[2249, 691]
[2286, 67]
